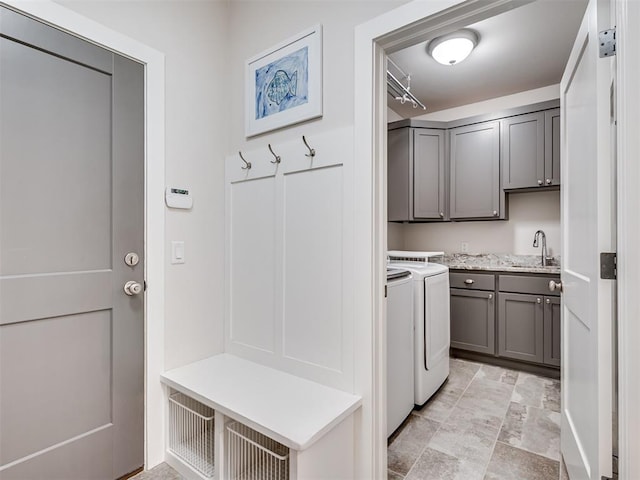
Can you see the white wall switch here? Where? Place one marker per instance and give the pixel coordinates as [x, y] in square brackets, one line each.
[464, 247]
[177, 252]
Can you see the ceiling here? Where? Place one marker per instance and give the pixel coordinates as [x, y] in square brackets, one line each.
[519, 50]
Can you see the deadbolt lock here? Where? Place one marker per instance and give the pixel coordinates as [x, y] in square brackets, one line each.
[131, 259]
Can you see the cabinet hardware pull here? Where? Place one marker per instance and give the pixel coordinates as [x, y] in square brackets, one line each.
[495, 213]
[548, 181]
[490, 296]
[539, 300]
[441, 214]
[468, 281]
[548, 301]
[539, 182]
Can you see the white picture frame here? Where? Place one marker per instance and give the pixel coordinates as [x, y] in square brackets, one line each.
[283, 85]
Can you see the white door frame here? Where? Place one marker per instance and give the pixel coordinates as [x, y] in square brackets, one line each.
[75, 24]
[408, 25]
[628, 179]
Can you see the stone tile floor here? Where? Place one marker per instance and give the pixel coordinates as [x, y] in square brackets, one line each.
[485, 423]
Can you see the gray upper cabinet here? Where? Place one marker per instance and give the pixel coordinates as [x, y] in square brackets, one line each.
[523, 151]
[531, 150]
[475, 190]
[416, 174]
[552, 147]
[399, 188]
[429, 174]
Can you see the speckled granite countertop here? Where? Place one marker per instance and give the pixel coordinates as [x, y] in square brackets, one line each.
[498, 262]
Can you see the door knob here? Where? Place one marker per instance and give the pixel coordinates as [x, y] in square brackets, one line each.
[553, 286]
[132, 288]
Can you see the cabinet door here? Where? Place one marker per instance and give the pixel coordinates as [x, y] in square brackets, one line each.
[398, 174]
[473, 321]
[475, 171]
[552, 329]
[428, 174]
[523, 151]
[520, 326]
[552, 147]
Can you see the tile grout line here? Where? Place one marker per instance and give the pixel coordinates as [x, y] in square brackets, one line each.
[486, 467]
[446, 418]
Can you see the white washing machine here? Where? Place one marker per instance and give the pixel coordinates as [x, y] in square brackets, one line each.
[400, 357]
[431, 322]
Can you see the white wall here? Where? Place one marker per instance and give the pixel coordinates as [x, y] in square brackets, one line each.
[193, 35]
[256, 25]
[551, 92]
[528, 212]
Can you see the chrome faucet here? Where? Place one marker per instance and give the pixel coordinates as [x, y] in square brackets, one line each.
[544, 245]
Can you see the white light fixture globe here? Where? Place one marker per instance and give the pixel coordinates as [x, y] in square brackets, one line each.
[453, 48]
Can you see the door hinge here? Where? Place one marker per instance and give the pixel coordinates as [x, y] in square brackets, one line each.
[145, 285]
[607, 41]
[608, 266]
[385, 291]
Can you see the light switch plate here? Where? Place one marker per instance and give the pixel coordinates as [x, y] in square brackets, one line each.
[177, 252]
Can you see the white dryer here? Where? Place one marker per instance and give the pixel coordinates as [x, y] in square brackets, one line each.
[400, 345]
[431, 323]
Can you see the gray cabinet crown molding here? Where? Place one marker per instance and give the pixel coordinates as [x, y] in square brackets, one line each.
[523, 110]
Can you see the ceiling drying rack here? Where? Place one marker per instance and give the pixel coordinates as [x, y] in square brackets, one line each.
[398, 90]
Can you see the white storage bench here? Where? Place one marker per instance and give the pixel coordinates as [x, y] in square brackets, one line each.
[266, 424]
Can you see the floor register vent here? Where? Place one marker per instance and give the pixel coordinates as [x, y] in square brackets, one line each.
[191, 432]
[254, 456]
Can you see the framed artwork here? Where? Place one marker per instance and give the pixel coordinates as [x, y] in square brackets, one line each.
[283, 85]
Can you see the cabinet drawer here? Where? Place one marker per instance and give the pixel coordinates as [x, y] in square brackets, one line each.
[535, 285]
[472, 281]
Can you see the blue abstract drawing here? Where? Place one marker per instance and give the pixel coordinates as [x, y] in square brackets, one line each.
[282, 84]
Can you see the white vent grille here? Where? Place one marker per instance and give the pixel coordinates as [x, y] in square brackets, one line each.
[191, 432]
[253, 456]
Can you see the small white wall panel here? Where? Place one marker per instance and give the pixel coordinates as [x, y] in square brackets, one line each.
[253, 257]
[313, 266]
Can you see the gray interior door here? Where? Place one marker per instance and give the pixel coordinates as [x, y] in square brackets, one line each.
[71, 208]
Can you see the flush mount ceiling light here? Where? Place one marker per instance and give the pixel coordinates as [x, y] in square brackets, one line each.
[453, 48]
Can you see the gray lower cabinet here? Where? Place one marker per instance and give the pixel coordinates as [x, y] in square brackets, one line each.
[474, 189]
[521, 327]
[552, 331]
[525, 325]
[417, 173]
[473, 320]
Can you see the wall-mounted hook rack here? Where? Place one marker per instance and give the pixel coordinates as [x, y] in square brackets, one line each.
[247, 164]
[312, 151]
[278, 159]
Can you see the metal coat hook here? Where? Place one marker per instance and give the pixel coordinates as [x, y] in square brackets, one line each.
[278, 159]
[312, 151]
[248, 164]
